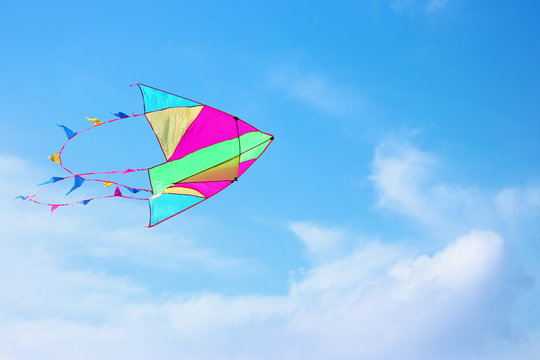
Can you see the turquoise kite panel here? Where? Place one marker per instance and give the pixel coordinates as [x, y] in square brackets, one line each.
[155, 100]
[167, 205]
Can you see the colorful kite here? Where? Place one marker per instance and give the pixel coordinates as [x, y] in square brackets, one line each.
[205, 151]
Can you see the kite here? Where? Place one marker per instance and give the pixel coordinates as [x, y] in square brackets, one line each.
[205, 151]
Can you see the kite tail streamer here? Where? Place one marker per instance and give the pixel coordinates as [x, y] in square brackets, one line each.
[78, 181]
[82, 202]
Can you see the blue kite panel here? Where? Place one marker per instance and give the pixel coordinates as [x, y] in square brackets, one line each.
[167, 205]
[155, 100]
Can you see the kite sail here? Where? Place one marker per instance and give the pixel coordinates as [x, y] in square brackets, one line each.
[205, 151]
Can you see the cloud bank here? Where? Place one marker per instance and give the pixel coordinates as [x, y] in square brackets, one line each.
[378, 301]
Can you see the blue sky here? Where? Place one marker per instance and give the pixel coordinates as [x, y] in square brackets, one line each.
[396, 214]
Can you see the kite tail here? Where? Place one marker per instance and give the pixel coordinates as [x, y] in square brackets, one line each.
[80, 178]
[83, 202]
[56, 157]
[78, 181]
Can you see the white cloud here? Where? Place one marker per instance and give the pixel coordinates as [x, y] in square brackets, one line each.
[461, 265]
[371, 304]
[403, 308]
[316, 91]
[405, 181]
[376, 302]
[429, 6]
[435, 5]
[400, 173]
[399, 5]
[319, 241]
[515, 203]
[359, 267]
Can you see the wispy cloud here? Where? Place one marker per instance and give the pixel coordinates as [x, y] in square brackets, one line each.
[376, 301]
[321, 242]
[406, 181]
[316, 90]
[450, 268]
[429, 6]
[365, 305]
[517, 203]
[435, 5]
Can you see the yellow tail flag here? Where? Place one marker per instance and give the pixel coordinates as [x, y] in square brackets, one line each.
[107, 183]
[95, 121]
[55, 158]
[155, 196]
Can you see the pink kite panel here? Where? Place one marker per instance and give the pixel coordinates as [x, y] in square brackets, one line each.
[244, 166]
[244, 127]
[211, 127]
[206, 188]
